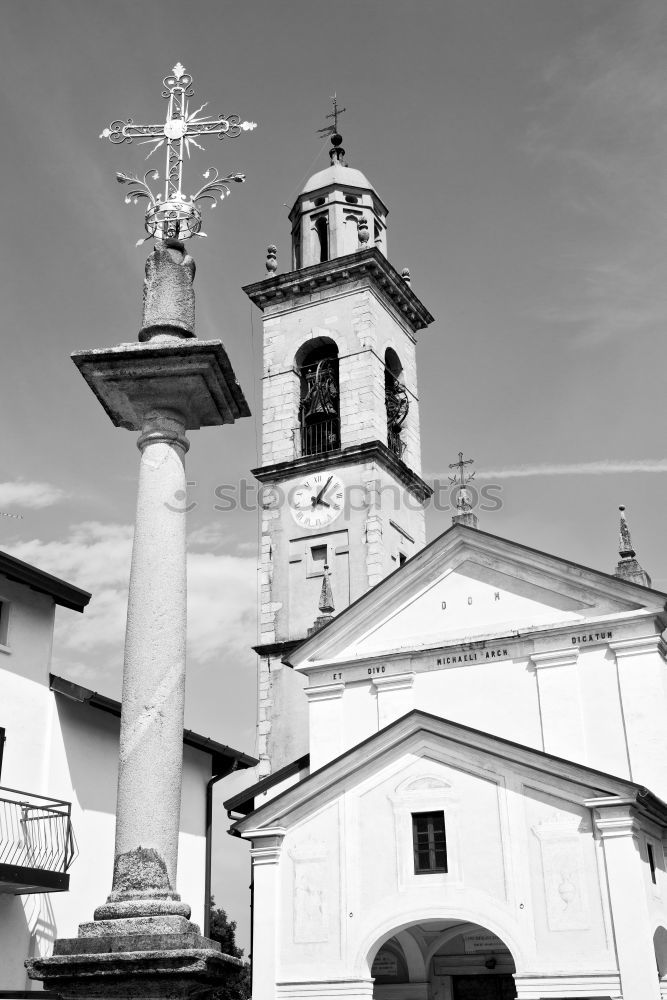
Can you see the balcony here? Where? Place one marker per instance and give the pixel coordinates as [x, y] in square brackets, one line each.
[37, 844]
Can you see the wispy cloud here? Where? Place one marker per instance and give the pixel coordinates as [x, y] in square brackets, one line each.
[222, 598]
[601, 468]
[33, 495]
[602, 126]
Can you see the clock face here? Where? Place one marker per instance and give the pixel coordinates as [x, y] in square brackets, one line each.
[317, 501]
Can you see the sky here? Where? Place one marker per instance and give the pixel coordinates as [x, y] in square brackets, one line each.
[521, 146]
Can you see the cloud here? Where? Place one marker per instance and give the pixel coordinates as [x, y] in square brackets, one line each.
[601, 468]
[222, 602]
[33, 495]
[601, 125]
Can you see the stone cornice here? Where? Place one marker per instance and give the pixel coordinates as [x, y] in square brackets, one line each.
[369, 263]
[366, 452]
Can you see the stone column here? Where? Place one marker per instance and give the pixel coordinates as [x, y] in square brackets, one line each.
[151, 737]
[141, 942]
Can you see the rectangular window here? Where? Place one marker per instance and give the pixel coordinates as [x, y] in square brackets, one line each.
[429, 842]
[651, 862]
[318, 554]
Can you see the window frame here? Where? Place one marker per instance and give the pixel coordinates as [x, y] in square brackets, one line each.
[431, 848]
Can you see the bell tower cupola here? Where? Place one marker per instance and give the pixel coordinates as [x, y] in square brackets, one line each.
[338, 211]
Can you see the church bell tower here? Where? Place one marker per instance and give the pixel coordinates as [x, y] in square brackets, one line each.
[342, 493]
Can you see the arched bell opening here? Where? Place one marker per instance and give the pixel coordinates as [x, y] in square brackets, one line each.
[397, 403]
[443, 960]
[319, 406]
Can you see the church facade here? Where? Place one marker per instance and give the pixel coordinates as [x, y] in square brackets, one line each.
[464, 757]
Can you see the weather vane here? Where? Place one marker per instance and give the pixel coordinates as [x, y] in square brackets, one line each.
[333, 128]
[174, 215]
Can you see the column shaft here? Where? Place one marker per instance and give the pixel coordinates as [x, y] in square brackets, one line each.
[151, 737]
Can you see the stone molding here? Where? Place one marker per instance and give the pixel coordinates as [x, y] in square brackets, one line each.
[395, 682]
[558, 658]
[593, 985]
[325, 692]
[614, 817]
[266, 845]
[639, 646]
[325, 988]
[370, 263]
[369, 451]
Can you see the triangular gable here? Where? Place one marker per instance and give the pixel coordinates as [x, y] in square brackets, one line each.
[421, 733]
[466, 586]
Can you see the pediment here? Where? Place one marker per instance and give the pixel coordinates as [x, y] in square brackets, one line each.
[420, 755]
[470, 586]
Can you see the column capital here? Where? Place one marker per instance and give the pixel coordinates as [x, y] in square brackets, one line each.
[397, 682]
[325, 692]
[266, 845]
[555, 658]
[163, 426]
[614, 816]
[639, 645]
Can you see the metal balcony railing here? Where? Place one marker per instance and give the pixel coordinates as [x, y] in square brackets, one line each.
[320, 437]
[37, 843]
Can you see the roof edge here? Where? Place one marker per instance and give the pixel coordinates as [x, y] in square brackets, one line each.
[221, 754]
[63, 593]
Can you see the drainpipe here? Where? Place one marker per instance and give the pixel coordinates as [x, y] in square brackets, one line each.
[209, 843]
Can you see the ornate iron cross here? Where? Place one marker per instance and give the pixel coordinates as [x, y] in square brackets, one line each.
[174, 215]
[332, 129]
[464, 476]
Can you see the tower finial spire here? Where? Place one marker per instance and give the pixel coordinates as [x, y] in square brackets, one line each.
[336, 153]
[628, 567]
[325, 604]
[464, 508]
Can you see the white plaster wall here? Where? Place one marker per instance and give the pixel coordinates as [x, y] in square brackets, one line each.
[66, 750]
[565, 700]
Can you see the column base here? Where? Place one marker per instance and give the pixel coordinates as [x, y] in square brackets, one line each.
[159, 957]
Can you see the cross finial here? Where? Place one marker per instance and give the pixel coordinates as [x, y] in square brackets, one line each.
[333, 128]
[460, 465]
[175, 215]
[464, 508]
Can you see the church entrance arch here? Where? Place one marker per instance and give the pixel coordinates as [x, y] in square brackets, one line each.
[443, 960]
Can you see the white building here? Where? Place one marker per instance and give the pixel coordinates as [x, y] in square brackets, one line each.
[58, 783]
[463, 773]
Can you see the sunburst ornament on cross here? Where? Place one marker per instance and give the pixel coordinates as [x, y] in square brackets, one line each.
[174, 215]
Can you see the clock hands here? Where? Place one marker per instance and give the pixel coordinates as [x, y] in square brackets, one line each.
[318, 499]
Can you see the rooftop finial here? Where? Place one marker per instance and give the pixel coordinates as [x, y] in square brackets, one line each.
[464, 509]
[337, 153]
[627, 567]
[175, 215]
[325, 605]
